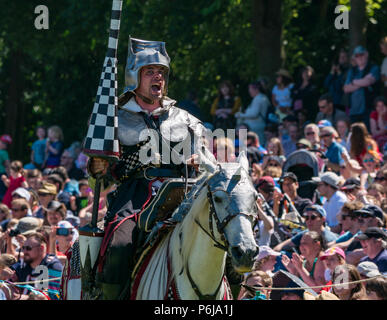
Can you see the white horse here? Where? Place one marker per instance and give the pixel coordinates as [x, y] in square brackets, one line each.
[189, 262]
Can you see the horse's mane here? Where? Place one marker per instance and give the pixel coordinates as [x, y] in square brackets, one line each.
[198, 205]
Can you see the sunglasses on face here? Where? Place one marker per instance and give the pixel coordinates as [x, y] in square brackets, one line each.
[17, 209]
[379, 178]
[275, 164]
[325, 136]
[312, 217]
[368, 160]
[28, 248]
[311, 133]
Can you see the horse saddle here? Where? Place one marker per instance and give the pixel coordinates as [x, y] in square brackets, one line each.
[169, 196]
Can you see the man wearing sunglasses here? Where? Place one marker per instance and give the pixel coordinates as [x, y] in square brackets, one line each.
[373, 240]
[361, 84]
[315, 218]
[328, 186]
[35, 254]
[328, 110]
[334, 150]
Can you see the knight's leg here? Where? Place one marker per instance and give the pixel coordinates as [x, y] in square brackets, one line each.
[118, 261]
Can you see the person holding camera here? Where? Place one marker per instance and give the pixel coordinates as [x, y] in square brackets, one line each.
[62, 237]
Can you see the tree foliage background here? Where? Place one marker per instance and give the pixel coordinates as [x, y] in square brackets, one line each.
[51, 76]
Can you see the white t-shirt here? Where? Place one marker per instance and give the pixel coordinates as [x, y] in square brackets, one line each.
[333, 207]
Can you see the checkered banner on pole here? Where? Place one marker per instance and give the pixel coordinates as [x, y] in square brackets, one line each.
[101, 139]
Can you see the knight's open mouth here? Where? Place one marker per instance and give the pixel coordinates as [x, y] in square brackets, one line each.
[156, 87]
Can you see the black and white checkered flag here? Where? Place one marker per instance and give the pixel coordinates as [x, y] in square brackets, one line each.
[101, 139]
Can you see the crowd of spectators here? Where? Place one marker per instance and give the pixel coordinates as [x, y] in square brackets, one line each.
[318, 162]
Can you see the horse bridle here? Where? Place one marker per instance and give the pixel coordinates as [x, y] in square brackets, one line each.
[220, 225]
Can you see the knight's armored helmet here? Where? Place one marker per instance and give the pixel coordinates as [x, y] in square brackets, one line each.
[144, 53]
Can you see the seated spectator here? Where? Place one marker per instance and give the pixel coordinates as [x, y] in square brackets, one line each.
[266, 187]
[368, 269]
[289, 185]
[15, 180]
[377, 191]
[332, 257]
[46, 194]
[264, 227]
[351, 188]
[315, 217]
[350, 169]
[334, 150]
[5, 213]
[266, 260]
[65, 236]
[378, 122]
[343, 274]
[290, 145]
[67, 161]
[328, 110]
[304, 144]
[256, 174]
[255, 279]
[312, 134]
[342, 127]
[381, 176]
[308, 266]
[20, 208]
[55, 212]
[225, 150]
[376, 289]
[328, 186]
[59, 179]
[34, 179]
[274, 148]
[371, 164]
[254, 146]
[350, 225]
[83, 199]
[35, 254]
[6, 261]
[373, 241]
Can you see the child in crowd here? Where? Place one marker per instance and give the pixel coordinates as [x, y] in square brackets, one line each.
[38, 150]
[15, 180]
[54, 147]
[84, 198]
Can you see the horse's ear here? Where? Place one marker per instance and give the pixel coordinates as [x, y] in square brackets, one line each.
[242, 160]
[207, 160]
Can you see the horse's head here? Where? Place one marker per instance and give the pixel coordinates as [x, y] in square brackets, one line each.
[233, 206]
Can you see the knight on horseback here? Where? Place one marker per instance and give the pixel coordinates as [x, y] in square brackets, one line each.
[158, 141]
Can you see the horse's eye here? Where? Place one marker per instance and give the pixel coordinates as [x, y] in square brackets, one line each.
[217, 199]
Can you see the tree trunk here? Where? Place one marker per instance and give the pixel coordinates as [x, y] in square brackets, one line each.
[14, 119]
[357, 24]
[267, 26]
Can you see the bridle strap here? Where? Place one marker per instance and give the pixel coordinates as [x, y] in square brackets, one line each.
[217, 243]
[197, 291]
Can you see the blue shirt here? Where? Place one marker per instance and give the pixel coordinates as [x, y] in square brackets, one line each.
[39, 149]
[358, 98]
[380, 260]
[334, 153]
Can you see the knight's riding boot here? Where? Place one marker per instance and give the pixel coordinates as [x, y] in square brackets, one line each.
[118, 261]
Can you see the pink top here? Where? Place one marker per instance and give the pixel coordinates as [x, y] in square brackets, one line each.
[13, 185]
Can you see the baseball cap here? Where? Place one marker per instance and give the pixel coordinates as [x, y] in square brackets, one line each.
[359, 50]
[351, 183]
[372, 210]
[28, 225]
[368, 269]
[289, 175]
[23, 193]
[372, 232]
[54, 205]
[48, 188]
[265, 251]
[266, 183]
[67, 225]
[6, 138]
[324, 123]
[330, 178]
[317, 208]
[332, 251]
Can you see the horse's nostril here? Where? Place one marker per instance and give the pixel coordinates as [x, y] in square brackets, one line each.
[237, 252]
